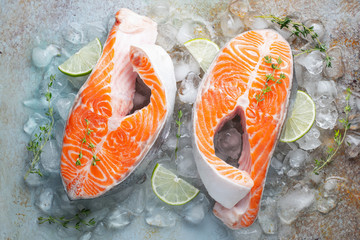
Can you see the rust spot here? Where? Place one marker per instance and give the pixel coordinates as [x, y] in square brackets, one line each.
[21, 197]
[150, 232]
[346, 42]
[350, 6]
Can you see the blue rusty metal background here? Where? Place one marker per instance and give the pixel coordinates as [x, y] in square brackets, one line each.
[21, 21]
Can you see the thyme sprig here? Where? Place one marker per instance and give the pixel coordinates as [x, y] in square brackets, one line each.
[178, 123]
[267, 88]
[338, 137]
[78, 219]
[299, 29]
[40, 139]
[87, 140]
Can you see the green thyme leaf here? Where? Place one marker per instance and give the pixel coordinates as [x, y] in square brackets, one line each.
[338, 137]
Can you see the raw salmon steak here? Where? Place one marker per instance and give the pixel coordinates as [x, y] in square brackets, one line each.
[105, 140]
[227, 99]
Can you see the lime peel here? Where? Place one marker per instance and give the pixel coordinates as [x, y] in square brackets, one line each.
[203, 50]
[301, 120]
[82, 62]
[170, 188]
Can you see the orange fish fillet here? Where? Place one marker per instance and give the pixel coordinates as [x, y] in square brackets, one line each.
[228, 89]
[116, 141]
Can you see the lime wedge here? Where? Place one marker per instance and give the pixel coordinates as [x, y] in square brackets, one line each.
[171, 189]
[82, 62]
[203, 50]
[301, 120]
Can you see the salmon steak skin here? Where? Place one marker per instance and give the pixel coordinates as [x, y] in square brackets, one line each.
[230, 88]
[104, 141]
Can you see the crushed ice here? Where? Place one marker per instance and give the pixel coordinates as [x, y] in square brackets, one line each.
[117, 211]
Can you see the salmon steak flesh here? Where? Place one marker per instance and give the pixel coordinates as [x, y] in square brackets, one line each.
[106, 136]
[237, 123]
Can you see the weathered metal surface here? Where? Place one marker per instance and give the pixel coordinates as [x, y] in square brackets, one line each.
[23, 22]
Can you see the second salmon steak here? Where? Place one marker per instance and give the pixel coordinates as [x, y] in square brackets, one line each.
[239, 112]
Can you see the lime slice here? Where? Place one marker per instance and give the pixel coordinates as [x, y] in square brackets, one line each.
[301, 120]
[171, 189]
[82, 62]
[203, 50]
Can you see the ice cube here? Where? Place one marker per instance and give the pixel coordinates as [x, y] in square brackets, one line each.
[74, 33]
[192, 29]
[275, 163]
[77, 82]
[50, 157]
[310, 140]
[299, 74]
[325, 205]
[188, 88]
[292, 203]
[157, 212]
[332, 185]
[293, 173]
[357, 103]
[42, 57]
[35, 180]
[315, 178]
[292, 145]
[326, 117]
[186, 126]
[59, 129]
[62, 205]
[337, 65]
[95, 30]
[313, 62]
[184, 63]
[160, 216]
[252, 22]
[135, 203]
[253, 232]
[353, 142]
[231, 25]
[318, 28]
[160, 11]
[166, 36]
[64, 104]
[44, 201]
[267, 216]
[35, 120]
[297, 158]
[99, 231]
[323, 92]
[239, 8]
[170, 144]
[182, 69]
[195, 211]
[118, 218]
[37, 104]
[58, 85]
[185, 163]
[86, 236]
